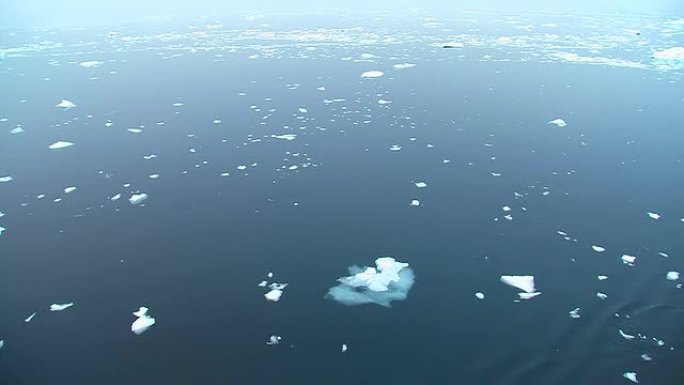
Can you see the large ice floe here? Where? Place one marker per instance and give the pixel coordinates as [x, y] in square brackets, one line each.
[522, 282]
[389, 281]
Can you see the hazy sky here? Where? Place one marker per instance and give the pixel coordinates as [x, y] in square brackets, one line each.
[73, 12]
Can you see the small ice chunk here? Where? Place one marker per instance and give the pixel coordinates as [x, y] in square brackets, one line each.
[344, 348]
[263, 284]
[558, 122]
[65, 104]
[415, 202]
[134, 130]
[598, 249]
[17, 130]
[395, 147]
[602, 277]
[646, 357]
[137, 199]
[154, 176]
[528, 295]
[2, 344]
[655, 216]
[29, 318]
[403, 66]
[60, 144]
[60, 307]
[144, 321]
[287, 137]
[453, 44]
[5, 179]
[672, 275]
[90, 64]
[506, 209]
[601, 295]
[116, 197]
[372, 74]
[302, 110]
[631, 376]
[421, 184]
[522, 282]
[575, 313]
[479, 295]
[626, 336]
[628, 259]
[2, 230]
[69, 189]
[274, 340]
[178, 104]
[273, 295]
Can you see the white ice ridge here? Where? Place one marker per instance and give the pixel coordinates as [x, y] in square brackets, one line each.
[389, 281]
[144, 321]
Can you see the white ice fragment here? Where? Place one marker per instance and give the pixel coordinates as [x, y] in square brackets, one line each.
[263, 284]
[655, 216]
[137, 199]
[383, 102]
[29, 318]
[178, 104]
[672, 275]
[415, 202]
[601, 295]
[522, 282]
[395, 147]
[631, 376]
[528, 295]
[558, 122]
[224, 174]
[148, 157]
[17, 130]
[646, 357]
[143, 322]
[479, 295]
[403, 66]
[372, 74]
[273, 295]
[452, 44]
[2, 344]
[421, 184]
[602, 277]
[65, 104]
[302, 110]
[90, 64]
[287, 137]
[269, 275]
[598, 249]
[2, 230]
[217, 121]
[116, 197]
[673, 54]
[575, 313]
[134, 130]
[69, 189]
[60, 307]
[154, 176]
[60, 144]
[626, 336]
[241, 167]
[274, 340]
[5, 179]
[628, 259]
[344, 348]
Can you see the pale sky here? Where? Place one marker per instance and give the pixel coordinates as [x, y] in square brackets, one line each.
[30, 13]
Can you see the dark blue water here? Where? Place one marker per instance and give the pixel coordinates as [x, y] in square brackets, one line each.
[196, 250]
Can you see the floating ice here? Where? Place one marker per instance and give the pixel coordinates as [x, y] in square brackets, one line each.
[65, 104]
[344, 348]
[60, 307]
[403, 66]
[274, 340]
[2, 344]
[115, 197]
[388, 281]
[655, 216]
[646, 357]
[558, 122]
[178, 104]
[628, 259]
[528, 295]
[29, 318]
[60, 144]
[154, 176]
[273, 295]
[285, 136]
[372, 74]
[631, 376]
[672, 276]
[601, 295]
[17, 130]
[263, 284]
[144, 321]
[452, 44]
[2, 230]
[70, 189]
[670, 54]
[421, 184]
[91, 64]
[137, 199]
[134, 130]
[598, 249]
[575, 313]
[522, 282]
[395, 147]
[479, 295]
[602, 277]
[415, 202]
[626, 336]
[5, 179]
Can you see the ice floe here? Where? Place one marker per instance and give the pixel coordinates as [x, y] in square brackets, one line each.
[632, 376]
[403, 66]
[626, 336]
[672, 275]
[274, 340]
[479, 295]
[5, 179]
[395, 147]
[60, 307]
[389, 281]
[628, 259]
[143, 322]
[30, 318]
[65, 104]
[522, 282]
[60, 144]
[115, 197]
[421, 184]
[558, 122]
[285, 137]
[528, 295]
[655, 216]
[598, 249]
[372, 74]
[575, 313]
[17, 130]
[273, 295]
[601, 295]
[69, 190]
[134, 130]
[602, 277]
[344, 348]
[90, 63]
[2, 230]
[452, 44]
[137, 199]
[415, 203]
